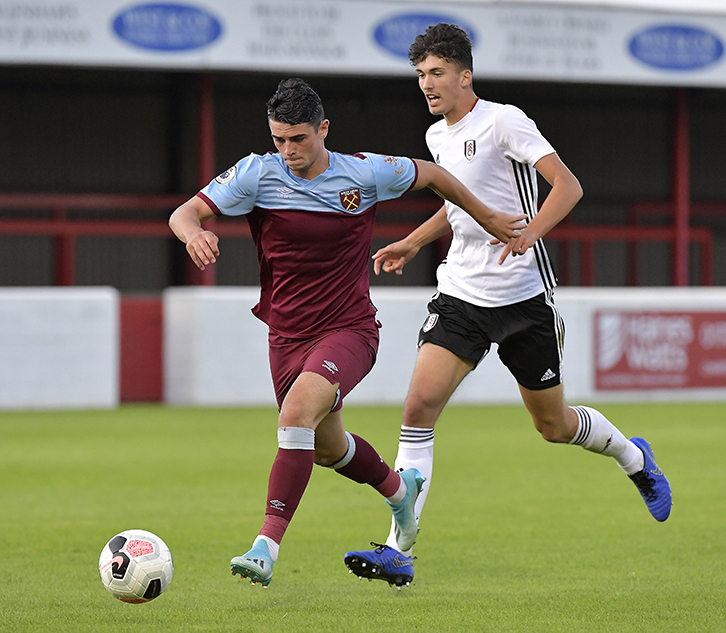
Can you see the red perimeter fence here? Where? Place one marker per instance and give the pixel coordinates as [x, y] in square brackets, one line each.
[65, 228]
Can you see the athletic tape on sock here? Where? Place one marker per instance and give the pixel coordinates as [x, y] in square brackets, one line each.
[348, 455]
[296, 438]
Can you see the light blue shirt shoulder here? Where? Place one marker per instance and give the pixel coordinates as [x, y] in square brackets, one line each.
[235, 190]
[351, 184]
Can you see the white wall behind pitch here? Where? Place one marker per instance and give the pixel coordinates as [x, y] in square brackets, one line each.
[59, 348]
[216, 351]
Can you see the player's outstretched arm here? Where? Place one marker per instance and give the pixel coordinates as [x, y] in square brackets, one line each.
[565, 194]
[502, 226]
[186, 222]
[393, 257]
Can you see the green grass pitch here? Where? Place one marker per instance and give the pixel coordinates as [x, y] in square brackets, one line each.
[517, 535]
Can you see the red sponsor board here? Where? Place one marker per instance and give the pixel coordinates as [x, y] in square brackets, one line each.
[659, 350]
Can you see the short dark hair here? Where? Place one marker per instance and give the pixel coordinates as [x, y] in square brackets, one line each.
[447, 41]
[295, 102]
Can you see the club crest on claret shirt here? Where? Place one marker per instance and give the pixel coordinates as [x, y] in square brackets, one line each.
[469, 149]
[350, 199]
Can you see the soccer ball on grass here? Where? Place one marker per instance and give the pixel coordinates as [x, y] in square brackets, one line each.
[135, 566]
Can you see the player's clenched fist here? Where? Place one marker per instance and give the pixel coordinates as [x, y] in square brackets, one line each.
[203, 248]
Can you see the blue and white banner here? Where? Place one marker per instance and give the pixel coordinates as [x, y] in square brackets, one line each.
[512, 40]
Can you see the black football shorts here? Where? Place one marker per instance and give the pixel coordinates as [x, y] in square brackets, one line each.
[530, 335]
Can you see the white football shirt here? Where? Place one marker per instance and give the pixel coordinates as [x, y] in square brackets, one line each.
[492, 150]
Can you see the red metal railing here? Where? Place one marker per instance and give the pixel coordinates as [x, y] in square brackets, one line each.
[65, 228]
[588, 236]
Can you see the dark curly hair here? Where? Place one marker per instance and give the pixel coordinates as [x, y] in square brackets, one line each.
[295, 102]
[447, 41]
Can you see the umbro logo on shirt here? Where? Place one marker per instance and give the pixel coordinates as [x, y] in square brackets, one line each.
[284, 192]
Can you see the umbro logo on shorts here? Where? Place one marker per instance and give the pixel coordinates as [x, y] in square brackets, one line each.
[330, 366]
[430, 322]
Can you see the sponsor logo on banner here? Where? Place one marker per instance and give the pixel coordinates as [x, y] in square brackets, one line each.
[167, 27]
[397, 33]
[676, 47]
[350, 199]
[660, 350]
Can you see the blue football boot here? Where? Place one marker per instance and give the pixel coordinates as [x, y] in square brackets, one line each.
[652, 483]
[382, 563]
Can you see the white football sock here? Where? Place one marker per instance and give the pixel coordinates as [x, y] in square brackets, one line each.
[271, 545]
[400, 494]
[597, 434]
[415, 450]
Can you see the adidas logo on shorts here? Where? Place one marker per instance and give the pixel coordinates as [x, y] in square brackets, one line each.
[548, 375]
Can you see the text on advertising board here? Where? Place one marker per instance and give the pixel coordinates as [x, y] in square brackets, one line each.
[660, 350]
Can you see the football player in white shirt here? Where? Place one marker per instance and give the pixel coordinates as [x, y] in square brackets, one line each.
[491, 292]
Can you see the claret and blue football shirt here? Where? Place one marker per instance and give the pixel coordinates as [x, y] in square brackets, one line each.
[313, 237]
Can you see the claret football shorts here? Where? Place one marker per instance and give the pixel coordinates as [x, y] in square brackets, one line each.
[529, 334]
[343, 356]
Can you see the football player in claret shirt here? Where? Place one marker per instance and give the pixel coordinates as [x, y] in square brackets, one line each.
[311, 213]
[491, 292]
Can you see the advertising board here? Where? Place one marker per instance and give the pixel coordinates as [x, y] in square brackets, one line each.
[512, 40]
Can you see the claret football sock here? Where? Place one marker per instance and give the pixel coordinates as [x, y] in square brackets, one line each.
[289, 477]
[364, 465]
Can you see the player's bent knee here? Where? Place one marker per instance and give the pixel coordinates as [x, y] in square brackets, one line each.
[551, 431]
[420, 414]
[422, 408]
[325, 458]
[296, 413]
